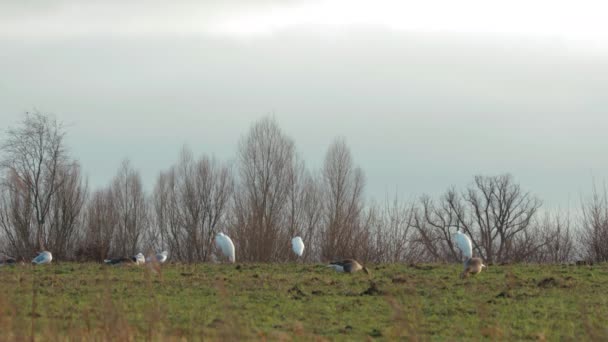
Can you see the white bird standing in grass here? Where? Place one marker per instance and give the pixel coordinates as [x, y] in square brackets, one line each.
[43, 258]
[224, 243]
[471, 265]
[297, 245]
[159, 257]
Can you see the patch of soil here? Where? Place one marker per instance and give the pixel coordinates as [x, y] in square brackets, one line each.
[548, 282]
[317, 293]
[216, 323]
[347, 329]
[504, 294]
[375, 333]
[399, 280]
[296, 293]
[372, 290]
[421, 267]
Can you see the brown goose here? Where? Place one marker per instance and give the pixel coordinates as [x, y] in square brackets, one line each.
[472, 266]
[348, 266]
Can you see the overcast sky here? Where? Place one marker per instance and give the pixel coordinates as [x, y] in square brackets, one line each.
[426, 95]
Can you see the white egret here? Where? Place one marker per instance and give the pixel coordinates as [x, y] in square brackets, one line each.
[297, 245]
[347, 266]
[224, 243]
[471, 265]
[44, 257]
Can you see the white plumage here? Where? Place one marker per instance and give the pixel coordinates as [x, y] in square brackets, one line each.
[159, 257]
[224, 243]
[43, 258]
[140, 258]
[463, 242]
[297, 245]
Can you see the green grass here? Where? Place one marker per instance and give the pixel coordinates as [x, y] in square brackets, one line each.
[302, 302]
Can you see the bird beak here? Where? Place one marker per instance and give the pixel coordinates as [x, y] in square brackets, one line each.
[483, 266]
[365, 270]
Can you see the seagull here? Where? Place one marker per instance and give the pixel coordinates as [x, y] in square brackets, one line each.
[137, 259]
[159, 257]
[471, 265]
[347, 266]
[297, 245]
[44, 257]
[224, 243]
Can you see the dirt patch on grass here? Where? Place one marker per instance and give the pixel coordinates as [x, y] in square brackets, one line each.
[296, 293]
[372, 290]
[504, 294]
[216, 323]
[548, 282]
[399, 280]
[421, 267]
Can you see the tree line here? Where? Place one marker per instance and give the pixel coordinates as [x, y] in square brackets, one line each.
[264, 198]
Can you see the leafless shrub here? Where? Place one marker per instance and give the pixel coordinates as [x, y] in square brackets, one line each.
[190, 203]
[343, 185]
[393, 233]
[266, 164]
[66, 213]
[131, 207]
[594, 231]
[17, 218]
[435, 224]
[100, 223]
[550, 240]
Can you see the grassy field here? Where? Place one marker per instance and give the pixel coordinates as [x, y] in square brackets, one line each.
[302, 302]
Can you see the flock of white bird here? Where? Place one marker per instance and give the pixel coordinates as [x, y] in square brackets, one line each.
[472, 265]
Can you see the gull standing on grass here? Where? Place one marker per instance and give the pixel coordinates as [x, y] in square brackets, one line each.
[44, 257]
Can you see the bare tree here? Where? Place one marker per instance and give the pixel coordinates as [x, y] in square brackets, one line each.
[34, 154]
[594, 233]
[66, 212]
[16, 217]
[393, 233]
[435, 225]
[100, 223]
[495, 212]
[309, 216]
[130, 204]
[266, 164]
[190, 201]
[343, 203]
